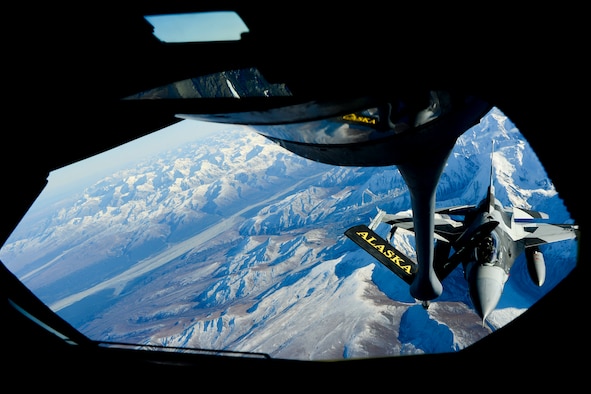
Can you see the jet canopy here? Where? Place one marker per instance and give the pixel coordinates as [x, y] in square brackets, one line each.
[486, 252]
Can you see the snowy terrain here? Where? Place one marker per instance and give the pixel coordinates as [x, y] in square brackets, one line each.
[233, 243]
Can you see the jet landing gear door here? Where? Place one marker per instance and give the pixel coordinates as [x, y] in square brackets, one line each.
[397, 262]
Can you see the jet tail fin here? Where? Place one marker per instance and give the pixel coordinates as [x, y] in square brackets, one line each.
[396, 261]
[377, 219]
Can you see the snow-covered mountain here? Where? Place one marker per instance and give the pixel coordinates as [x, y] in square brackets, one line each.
[233, 243]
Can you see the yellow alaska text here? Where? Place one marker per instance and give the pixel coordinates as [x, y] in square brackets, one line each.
[386, 250]
[360, 118]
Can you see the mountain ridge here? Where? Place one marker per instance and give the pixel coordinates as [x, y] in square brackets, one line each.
[241, 247]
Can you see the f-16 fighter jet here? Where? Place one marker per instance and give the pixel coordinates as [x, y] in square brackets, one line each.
[486, 241]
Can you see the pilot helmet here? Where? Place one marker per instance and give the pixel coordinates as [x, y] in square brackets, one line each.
[486, 249]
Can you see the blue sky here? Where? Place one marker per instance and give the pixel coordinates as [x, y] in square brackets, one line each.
[106, 163]
[205, 26]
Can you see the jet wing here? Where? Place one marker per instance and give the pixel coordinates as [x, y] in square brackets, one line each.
[461, 210]
[446, 229]
[522, 215]
[543, 233]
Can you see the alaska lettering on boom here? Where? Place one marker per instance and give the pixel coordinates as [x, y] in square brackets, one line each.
[389, 253]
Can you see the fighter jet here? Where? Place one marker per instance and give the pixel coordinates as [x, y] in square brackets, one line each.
[416, 131]
[486, 239]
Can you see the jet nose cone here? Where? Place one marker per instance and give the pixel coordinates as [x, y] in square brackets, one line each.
[486, 288]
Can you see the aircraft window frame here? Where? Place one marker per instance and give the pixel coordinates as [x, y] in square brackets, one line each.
[180, 186]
